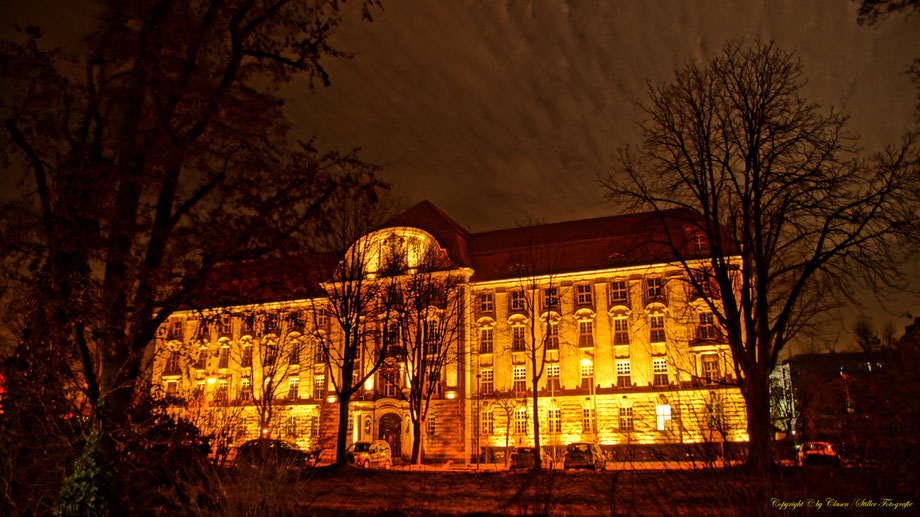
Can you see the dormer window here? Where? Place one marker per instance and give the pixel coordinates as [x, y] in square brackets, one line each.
[486, 302]
[517, 300]
[700, 244]
[583, 294]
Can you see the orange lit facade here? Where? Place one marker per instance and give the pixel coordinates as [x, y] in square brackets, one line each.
[633, 356]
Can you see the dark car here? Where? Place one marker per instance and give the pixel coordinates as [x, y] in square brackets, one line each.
[522, 458]
[584, 456]
[264, 452]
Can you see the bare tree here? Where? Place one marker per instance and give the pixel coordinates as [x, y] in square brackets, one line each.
[775, 212]
[536, 266]
[423, 290]
[351, 299]
[508, 402]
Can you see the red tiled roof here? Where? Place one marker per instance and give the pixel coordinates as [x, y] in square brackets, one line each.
[566, 247]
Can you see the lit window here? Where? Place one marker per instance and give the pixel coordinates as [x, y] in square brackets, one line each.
[654, 287]
[552, 335]
[517, 339]
[620, 331]
[199, 389]
[550, 298]
[552, 377]
[656, 328]
[351, 422]
[517, 300]
[485, 341]
[707, 327]
[663, 413]
[660, 367]
[554, 420]
[245, 390]
[247, 355]
[586, 334]
[587, 373]
[618, 294]
[319, 386]
[486, 302]
[583, 294]
[430, 423]
[711, 367]
[626, 419]
[485, 381]
[623, 374]
[587, 421]
[221, 395]
[293, 387]
[520, 421]
[520, 378]
[488, 422]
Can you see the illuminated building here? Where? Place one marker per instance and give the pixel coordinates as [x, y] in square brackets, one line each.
[634, 356]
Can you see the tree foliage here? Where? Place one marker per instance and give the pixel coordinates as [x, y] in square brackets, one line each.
[791, 217]
[153, 154]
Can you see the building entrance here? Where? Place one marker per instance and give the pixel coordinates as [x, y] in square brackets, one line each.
[391, 431]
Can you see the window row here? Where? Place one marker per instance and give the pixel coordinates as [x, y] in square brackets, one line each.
[521, 383]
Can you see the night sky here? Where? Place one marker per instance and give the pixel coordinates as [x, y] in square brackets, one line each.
[495, 110]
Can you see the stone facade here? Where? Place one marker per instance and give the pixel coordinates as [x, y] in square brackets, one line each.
[632, 355]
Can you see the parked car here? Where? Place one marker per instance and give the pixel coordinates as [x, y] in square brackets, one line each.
[522, 458]
[584, 455]
[818, 453]
[268, 452]
[369, 454]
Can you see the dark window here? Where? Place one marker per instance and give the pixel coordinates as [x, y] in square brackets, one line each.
[656, 326]
[585, 334]
[583, 294]
[517, 339]
[485, 341]
[552, 336]
[551, 298]
[224, 358]
[517, 300]
[618, 293]
[486, 302]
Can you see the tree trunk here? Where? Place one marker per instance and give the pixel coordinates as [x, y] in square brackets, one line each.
[536, 429]
[760, 447]
[417, 427]
[341, 441]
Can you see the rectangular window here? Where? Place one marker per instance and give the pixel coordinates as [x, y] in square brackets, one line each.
[295, 352]
[654, 287]
[293, 388]
[246, 359]
[520, 378]
[223, 361]
[550, 298]
[351, 422]
[202, 363]
[586, 334]
[172, 388]
[624, 379]
[175, 330]
[710, 367]
[554, 420]
[700, 245]
[663, 413]
[221, 395]
[270, 323]
[319, 352]
[702, 280]
[714, 415]
[245, 390]
[707, 327]
[552, 377]
[199, 389]
[618, 293]
[225, 325]
[583, 294]
[517, 339]
[626, 419]
[620, 331]
[587, 421]
[430, 423]
[552, 335]
[322, 317]
[485, 382]
[488, 422]
[520, 421]
[172, 364]
[656, 328]
[271, 354]
[587, 373]
[319, 387]
[486, 302]
[660, 367]
[485, 341]
[517, 300]
[432, 337]
[290, 427]
[390, 380]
